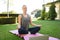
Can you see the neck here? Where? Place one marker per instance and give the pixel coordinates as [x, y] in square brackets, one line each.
[24, 13]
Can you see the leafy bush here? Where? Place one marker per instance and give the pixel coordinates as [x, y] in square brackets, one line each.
[58, 0]
[43, 13]
[7, 20]
[38, 14]
[10, 12]
[52, 13]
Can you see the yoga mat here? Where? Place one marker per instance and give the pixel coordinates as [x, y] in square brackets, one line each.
[36, 36]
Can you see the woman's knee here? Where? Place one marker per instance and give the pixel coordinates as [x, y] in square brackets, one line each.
[22, 31]
[38, 28]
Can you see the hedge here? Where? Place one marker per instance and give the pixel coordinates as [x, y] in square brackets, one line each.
[6, 20]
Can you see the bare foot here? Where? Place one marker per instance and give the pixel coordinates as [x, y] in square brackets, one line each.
[22, 35]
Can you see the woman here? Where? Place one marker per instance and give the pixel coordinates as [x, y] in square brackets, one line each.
[23, 23]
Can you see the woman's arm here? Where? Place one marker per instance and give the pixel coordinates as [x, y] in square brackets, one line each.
[33, 23]
[19, 21]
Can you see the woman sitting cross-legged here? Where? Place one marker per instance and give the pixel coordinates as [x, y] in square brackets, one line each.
[23, 23]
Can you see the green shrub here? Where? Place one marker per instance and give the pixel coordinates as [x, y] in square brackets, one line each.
[39, 18]
[52, 13]
[43, 13]
[38, 14]
[7, 20]
[46, 16]
[58, 0]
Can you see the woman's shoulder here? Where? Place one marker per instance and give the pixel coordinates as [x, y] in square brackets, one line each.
[20, 15]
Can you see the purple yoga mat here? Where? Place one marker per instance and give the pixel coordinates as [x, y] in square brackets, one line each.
[26, 37]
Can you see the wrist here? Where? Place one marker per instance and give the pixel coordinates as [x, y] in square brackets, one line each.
[18, 25]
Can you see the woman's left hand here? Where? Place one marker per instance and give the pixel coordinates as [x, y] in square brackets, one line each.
[38, 25]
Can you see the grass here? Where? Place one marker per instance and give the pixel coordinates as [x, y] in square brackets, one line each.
[51, 28]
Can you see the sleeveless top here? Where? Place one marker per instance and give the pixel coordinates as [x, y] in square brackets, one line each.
[25, 21]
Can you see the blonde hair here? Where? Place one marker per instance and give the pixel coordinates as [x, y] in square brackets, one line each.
[24, 6]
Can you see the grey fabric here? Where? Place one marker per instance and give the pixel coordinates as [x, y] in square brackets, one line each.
[39, 38]
[25, 22]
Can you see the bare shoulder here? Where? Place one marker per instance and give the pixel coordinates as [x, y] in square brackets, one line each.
[19, 16]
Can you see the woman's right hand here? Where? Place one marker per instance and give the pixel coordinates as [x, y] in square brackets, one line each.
[18, 26]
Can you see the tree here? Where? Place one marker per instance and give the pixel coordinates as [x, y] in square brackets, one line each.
[52, 13]
[4, 13]
[58, 0]
[43, 13]
[12, 12]
[38, 14]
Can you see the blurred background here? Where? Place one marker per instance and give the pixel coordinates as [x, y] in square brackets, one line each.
[40, 9]
[43, 12]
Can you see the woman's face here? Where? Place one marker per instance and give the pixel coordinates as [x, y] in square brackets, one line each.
[24, 8]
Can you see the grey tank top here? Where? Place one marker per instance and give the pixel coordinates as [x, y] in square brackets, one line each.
[25, 21]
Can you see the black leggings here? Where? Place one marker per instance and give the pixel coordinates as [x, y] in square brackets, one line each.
[31, 30]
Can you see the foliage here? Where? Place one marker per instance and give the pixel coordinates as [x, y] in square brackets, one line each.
[58, 0]
[43, 13]
[3, 13]
[7, 20]
[10, 12]
[52, 13]
[38, 14]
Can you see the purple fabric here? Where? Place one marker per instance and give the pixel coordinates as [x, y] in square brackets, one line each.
[26, 37]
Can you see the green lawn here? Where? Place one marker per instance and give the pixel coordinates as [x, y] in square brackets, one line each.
[51, 28]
